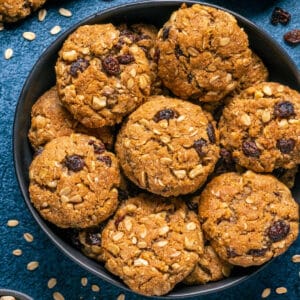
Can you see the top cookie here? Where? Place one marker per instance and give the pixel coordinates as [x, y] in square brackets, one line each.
[102, 74]
[14, 10]
[203, 53]
[261, 127]
[168, 146]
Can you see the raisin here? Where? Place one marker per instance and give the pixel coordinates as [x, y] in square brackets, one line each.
[284, 109]
[129, 34]
[198, 145]
[165, 33]
[119, 220]
[285, 145]
[156, 55]
[125, 59]
[74, 162]
[178, 52]
[111, 65]
[165, 114]
[79, 65]
[250, 149]
[93, 238]
[281, 16]
[189, 78]
[257, 252]
[98, 148]
[226, 156]
[211, 133]
[105, 159]
[292, 37]
[231, 253]
[192, 204]
[278, 231]
[72, 236]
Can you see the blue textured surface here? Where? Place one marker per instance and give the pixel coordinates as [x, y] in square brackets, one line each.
[13, 273]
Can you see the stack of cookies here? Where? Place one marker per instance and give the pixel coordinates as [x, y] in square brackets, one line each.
[165, 154]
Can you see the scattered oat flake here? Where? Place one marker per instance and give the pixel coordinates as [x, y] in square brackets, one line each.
[51, 283]
[266, 293]
[55, 30]
[95, 288]
[8, 53]
[28, 35]
[121, 297]
[281, 290]
[12, 223]
[84, 281]
[31, 266]
[65, 12]
[42, 15]
[28, 237]
[58, 296]
[296, 258]
[17, 252]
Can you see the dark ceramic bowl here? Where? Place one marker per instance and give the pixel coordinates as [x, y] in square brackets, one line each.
[16, 294]
[42, 77]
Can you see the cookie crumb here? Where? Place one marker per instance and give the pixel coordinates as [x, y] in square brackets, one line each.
[28, 237]
[31, 266]
[17, 252]
[12, 223]
[296, 258]
[266, 293]
[121, 297]
[95, 288]
[28, 35]
[281, 290]
[84, 281]
[42, 15]
[55, 30]
[8, 53]
[58, 296]
[65, 12]
[51, 283]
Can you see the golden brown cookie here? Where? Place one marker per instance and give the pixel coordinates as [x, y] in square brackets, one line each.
[14, 10]
[203, 53]
[152, 243]
[168, 146]
[74, 181]
[49, 119]
[102, 75]
[210, 267]
[261, 127]
[248, 218]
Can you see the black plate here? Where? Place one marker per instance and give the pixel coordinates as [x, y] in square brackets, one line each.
[42, 77]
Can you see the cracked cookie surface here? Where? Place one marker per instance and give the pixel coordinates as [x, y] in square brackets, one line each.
[152, 243]
[248, 218]
[74, 181]
[202, 53]
[102, 74]
[168, 146]
[49, 119]
[14, 10]
[261, 127]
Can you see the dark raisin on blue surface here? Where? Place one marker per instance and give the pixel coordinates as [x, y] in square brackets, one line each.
[231, 253]
[278, 231]
[250, 149]
[98, 148]
[165, 114]
[178, 52]
[257, 252]
[292, 37]
[105, 159]
[74, 162]
[211, 133]
[198, 146]
[125, 59]
[78, 66]
[284, 109]
[111, 65]
[285, 145]
[281, 16]
[165, 33]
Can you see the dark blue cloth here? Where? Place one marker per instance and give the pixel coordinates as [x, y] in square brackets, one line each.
[13, 273]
